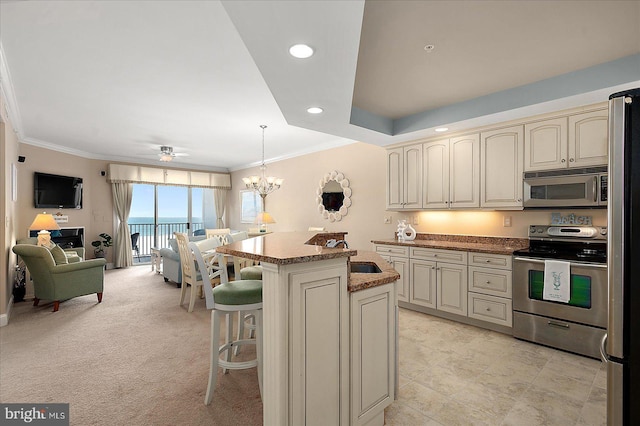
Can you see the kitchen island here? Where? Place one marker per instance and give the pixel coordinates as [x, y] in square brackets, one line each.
[329, 333]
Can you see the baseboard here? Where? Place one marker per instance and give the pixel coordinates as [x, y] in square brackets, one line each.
[4, 318]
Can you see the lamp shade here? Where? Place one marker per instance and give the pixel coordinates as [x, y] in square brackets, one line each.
[263, 218]
[44, 221]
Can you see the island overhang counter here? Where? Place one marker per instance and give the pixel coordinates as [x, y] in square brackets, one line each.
[329, 334]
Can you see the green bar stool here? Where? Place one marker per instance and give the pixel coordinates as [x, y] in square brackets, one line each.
[227, 298]
[251, 273]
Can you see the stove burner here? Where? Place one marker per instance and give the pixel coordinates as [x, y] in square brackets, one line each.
[542, 249]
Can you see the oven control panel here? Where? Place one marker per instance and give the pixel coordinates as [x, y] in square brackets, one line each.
[568, 232]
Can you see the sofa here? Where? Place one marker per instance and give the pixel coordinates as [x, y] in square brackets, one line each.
[58, 280]
[171, 268]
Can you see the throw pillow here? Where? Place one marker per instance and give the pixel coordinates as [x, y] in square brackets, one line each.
[58, 255]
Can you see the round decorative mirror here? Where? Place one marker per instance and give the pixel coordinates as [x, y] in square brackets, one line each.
[334, 196]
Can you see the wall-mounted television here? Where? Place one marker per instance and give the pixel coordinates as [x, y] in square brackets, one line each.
[55, 191]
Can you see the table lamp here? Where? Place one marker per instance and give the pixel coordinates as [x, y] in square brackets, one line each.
[44, 222]
[262, 219]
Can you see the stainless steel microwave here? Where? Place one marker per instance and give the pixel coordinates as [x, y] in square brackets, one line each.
[566, 188]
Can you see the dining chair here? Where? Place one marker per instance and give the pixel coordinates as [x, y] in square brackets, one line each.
[190, 275]
[226, 299]
[222, 234]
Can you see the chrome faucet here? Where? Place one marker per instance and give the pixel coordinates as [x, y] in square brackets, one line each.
[334, 243]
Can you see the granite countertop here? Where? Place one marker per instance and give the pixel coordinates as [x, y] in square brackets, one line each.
[494, 245]
[284, 248]
[360, 281]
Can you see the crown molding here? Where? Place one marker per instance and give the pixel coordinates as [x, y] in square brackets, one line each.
[84, 154]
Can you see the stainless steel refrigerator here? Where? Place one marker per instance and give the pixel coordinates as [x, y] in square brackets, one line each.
[621, 345]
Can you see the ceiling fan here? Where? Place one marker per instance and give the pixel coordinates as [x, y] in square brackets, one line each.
[166, 153]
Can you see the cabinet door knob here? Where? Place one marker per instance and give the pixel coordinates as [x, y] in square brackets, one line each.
[435, 255]
[488, 309]
[488, 282]
[433, 267]
[571, 160]
[563, 161]
[488, 260]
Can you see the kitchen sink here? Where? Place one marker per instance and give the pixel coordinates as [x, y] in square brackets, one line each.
[365, 268]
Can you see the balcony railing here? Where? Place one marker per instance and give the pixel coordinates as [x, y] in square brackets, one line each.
[158, 235]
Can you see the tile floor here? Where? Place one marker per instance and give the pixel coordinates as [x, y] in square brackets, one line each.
[455, 374]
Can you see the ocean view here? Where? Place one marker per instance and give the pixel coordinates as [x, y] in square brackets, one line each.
[165, 229]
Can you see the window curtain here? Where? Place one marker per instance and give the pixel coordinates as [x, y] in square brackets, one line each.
[122, 195]
[220, 201]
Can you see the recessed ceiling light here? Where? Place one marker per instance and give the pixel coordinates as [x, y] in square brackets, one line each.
[314, 110]
[301, 51]
[442, 129]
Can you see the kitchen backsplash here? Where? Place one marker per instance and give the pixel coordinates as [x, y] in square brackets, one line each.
[487, 223]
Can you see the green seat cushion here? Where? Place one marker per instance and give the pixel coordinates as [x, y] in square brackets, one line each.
[242, 292]
[251, 273]
[58, 255]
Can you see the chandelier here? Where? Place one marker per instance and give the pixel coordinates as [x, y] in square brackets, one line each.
[261, 184]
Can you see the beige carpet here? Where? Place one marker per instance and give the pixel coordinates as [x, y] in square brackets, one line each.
[135, 359]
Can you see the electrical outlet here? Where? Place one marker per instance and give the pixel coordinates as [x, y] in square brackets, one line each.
[387, 219]
[416, 220]
[506, 221]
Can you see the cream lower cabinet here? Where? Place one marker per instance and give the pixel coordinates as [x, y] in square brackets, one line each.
[469, 284]
[398, 256]
[490, 288]
[438, 279]
[422, 283]
[373, 344]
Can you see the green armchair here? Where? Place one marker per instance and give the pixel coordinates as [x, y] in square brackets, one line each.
[60, 282]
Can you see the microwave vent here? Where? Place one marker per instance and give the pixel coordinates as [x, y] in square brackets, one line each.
[565, 172]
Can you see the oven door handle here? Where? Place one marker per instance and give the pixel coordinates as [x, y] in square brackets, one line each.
[588, 265]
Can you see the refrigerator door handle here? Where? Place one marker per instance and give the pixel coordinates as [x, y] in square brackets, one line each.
[616, 231]
[603, 349]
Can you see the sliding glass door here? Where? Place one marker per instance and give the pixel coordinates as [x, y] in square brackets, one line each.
[157, 211]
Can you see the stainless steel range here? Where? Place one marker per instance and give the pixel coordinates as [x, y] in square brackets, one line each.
[579, 325]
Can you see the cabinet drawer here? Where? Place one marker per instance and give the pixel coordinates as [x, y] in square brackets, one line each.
[494, 282]
[489, 308]
[490, 260]
[393, 250]
[449, 256]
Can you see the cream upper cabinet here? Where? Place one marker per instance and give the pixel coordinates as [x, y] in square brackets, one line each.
[588, 137]
[545, 144]
[435, 184]
[579, 140]
[464, 171]
[501, 168]
[404, 177]
[451, 173]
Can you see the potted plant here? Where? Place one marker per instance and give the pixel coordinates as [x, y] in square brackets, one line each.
[102, 245]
